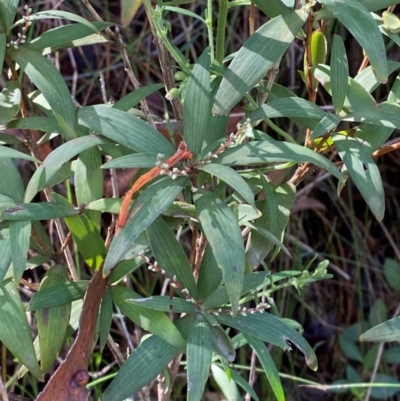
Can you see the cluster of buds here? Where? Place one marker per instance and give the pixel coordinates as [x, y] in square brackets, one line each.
[155, 268]
[165, 168]
[22, 36]
[260, 308]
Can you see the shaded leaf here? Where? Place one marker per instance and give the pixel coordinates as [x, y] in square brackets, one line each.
[384, 332]
[20, 234]
[144, 364]
[170, 255]
[165, 304]
[150, 204]
[199, 355]
[10, 97]
[272, 330]
[5, 252]
[133, 98]
[129, 9]
[222, 344]
[52, 322]
[15, 330]
[8, 9]
[45, 124]
[155, 322]
[10, 153]
[217, 220]
[363, 170]
[258, 55]
[136, 160]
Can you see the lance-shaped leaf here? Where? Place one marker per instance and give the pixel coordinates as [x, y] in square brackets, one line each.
[222, 344]
[11, 184]
[10, 153]
[56, 159]
[197, 106]
[232, 178]
[14, 328]
[133, 98]
[165, 303]
[258, 55]
[199, 355]
[39, 211]
[45, 124]
[384, 332]
[20, 234]
[3, 46]
[170, 255]
[105, 318]
[272, 330]
[52, 85]
[222, 231]
[154, 321]
[376, 117]
[272, 8]
[357, 19]
[225, 383]
[137, 160]
[52, 322]
[268, 365]
[5, 252]
[150, 204]
[275, 151]
[143, 364]
[363, 170]
[125, 129]
[10, 98]
[66, 36]
[8, 9]
[339, 73]
[59, 294]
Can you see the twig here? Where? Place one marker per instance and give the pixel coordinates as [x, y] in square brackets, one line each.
[3, 392]
[252, 374]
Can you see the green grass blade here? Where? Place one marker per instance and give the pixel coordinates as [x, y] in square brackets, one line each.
[217, 220]
[258, 55]
[199, 355]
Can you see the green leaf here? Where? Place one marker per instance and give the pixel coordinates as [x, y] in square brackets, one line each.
[232, 178]
[137, 160]
[150, 204]
[222, 344]
[199, 355]
[144, 364]
[170, 255]
[10, 98]
[133, 98]
[244, 384]
[3, 46]
[275, 151]
[72, 35]
[165, 304]
[227, 386]
[357, 98]
[5, 252]
[327, 124]
[339, 73]
[52, 85]
[155, 322]
[59, 294]
[20, 234]
[258, 55]
[8, 9]
[210, 275]
[385, 391]
[58, 14]
[217, 221]
[9, 153]
[356, 18]
[52, 322]
[125, 129]
[39, 211]
[197, 106]
[391, 270]
[183, 11]
[268, 365]
[45, 124]
[56, 159]
[289, 107]
[15, 330]
[105, 317]
[384, 332]
[272, 8]
[11, 182]
[363, 170]
[376, 117]
[272, 330]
